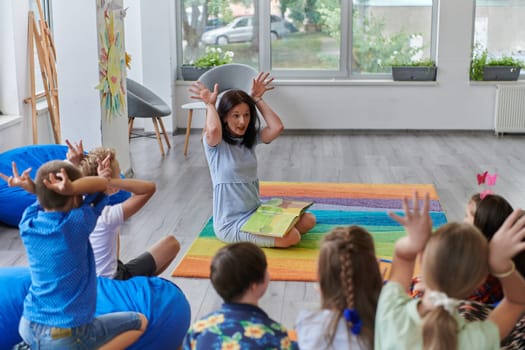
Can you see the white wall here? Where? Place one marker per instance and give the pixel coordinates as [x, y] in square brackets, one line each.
[452, 103]
[149, 40]
[75, 35]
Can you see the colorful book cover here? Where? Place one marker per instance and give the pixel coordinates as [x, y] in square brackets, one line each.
[275, 217]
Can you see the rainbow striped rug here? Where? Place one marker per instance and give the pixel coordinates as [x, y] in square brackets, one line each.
[336, 204]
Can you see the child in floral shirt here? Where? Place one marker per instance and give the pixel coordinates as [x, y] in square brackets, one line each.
[239, 275]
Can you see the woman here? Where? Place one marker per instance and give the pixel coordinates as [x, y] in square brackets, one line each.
[232, 131]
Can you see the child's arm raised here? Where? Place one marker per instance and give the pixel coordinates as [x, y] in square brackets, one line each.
[418, 225]
[506, 243]
[142, 191]
[61, 183]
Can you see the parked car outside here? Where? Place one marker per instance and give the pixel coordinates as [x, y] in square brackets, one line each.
[213, 23]
[241, 30]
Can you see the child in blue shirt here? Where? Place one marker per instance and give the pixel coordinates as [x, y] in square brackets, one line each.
[60, 306]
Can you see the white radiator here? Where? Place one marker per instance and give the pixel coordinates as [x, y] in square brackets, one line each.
[510, 109]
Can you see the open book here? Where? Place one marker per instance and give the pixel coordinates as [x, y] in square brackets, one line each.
[275, 217]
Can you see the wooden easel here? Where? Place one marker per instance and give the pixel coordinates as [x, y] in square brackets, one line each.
[40, 37]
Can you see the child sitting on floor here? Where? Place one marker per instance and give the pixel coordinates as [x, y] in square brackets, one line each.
[105, 237]
[239, 275]
[350, 283]
[456, 259]
[487, 214]
[60, 306]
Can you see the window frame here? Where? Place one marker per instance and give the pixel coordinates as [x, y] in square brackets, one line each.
[345, 58]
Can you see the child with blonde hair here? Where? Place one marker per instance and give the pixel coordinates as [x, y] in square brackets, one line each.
[350, 282]
[105, 237]
[456, 259]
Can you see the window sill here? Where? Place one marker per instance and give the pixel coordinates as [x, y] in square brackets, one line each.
[338, 82]
[9, 120]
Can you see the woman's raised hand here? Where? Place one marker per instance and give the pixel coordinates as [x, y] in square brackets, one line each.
[261, 84]
[200, 92]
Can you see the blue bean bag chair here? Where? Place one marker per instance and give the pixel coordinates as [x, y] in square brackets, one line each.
[161, 301]
[14, 200]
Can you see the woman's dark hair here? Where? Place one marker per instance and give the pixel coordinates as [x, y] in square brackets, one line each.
[491, 213]
[235, 267]
[229, 100]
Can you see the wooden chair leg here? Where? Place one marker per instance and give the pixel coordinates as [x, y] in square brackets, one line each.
[188, 127]
[164, 131]
[130, 126]
[156, 126]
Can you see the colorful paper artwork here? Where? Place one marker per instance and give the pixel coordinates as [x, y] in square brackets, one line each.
[112, 61]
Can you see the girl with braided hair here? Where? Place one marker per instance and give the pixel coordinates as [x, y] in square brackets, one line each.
[455, 260]
[350, 282]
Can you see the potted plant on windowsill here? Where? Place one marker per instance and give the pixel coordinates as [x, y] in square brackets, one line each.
[420, 70]
[484, 68]
[212, 57]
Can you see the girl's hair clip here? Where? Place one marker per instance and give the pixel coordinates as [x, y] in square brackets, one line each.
[482, 177]
[352, 316]
[485, 194]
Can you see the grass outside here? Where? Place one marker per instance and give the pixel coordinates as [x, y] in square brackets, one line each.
[297, 50]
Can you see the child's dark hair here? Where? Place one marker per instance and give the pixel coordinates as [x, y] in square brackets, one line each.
[349, 277]
[455, 262]
[235, 267]
[47, 198]
[229, 100]
[491, 213]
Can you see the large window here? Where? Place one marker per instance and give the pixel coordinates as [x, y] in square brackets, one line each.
[499, 28]
[311, 38]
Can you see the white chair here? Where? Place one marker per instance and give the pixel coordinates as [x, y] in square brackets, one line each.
[229, 76]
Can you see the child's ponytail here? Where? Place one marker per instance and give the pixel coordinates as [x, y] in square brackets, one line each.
[455, 262]
[440, 328]
[350, 281]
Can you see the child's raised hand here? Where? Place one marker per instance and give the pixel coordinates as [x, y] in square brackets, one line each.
[104, 167]
[200, 92]
[417, 223]
[24, 181]
[75, 153]
[261, 84]
[507, 242]
[59, 183]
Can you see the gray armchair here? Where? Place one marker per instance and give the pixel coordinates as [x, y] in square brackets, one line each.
[144, 103]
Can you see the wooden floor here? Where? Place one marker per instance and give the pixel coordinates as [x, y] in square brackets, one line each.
[183, 202]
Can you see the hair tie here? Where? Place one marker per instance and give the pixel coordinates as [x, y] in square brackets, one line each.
[352, 316]
[441, 299]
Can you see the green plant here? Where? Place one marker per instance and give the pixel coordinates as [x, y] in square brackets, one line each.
[213, 56]
[506, 61]
[481, 59]
[425, 62]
